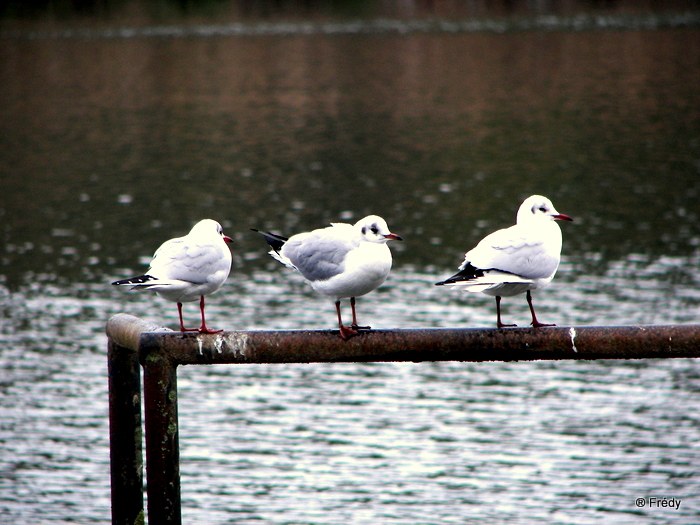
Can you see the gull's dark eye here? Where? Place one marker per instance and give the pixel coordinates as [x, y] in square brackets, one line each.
[374, 229]
[543, 209]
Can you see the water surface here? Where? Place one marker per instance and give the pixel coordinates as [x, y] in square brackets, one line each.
[116, 139]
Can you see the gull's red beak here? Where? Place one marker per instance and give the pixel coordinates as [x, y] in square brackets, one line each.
[562, 217]
[393, 237]
[229, 239]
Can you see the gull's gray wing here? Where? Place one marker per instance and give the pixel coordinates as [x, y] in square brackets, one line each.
[187, 259]
[513, 251]
[320, 254]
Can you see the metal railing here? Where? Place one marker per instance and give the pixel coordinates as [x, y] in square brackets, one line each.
[134, 343]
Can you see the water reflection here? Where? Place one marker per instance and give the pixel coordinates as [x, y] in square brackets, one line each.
[110, 146]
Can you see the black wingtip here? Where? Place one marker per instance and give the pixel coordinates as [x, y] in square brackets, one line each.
[275, 241]
[135, 280]
[451, 280]
[468, 273]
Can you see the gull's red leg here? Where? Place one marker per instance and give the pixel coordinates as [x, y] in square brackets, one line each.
[203, 329]
[499, 324]
[535, 322]
[182, 325]
[346, 332]
[354, 317]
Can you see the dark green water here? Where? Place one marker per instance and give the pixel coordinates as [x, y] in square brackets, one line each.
[111, 145]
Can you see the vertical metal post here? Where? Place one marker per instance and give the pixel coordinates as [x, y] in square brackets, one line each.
[162, 441]
[126, 459]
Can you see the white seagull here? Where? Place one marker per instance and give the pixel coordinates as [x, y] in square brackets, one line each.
[514, 260]
[185, 269]
[339, 261]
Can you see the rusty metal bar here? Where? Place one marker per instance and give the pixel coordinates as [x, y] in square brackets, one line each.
[126, 460]
[467, 344]
[160, 353]
[125, 330]
[162, 437]
[125, 428]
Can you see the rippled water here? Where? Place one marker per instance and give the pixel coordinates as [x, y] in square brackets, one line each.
[540, 442]
[439, 443]
[114, 139]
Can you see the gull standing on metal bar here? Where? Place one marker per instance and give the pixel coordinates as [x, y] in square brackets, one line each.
[514, 260]
[185, 269]
[339, 261]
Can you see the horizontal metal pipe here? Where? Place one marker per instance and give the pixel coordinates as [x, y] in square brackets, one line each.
[464, 344]
[124, 330]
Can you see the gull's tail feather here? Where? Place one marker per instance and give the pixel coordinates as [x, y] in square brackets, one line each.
[467, 273]
[477, 280]
[148, 282]
[275, 241]
[140, 280]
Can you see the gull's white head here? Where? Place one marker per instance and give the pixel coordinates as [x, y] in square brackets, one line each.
[209, 228]
[374, 229]
[539, 208]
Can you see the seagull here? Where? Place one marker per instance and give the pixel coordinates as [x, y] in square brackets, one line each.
[339, 261]
[185, 269]
[514, 260]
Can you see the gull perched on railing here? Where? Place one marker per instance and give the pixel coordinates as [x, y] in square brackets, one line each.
[515, 260]
[339, 261]
[185, 269]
